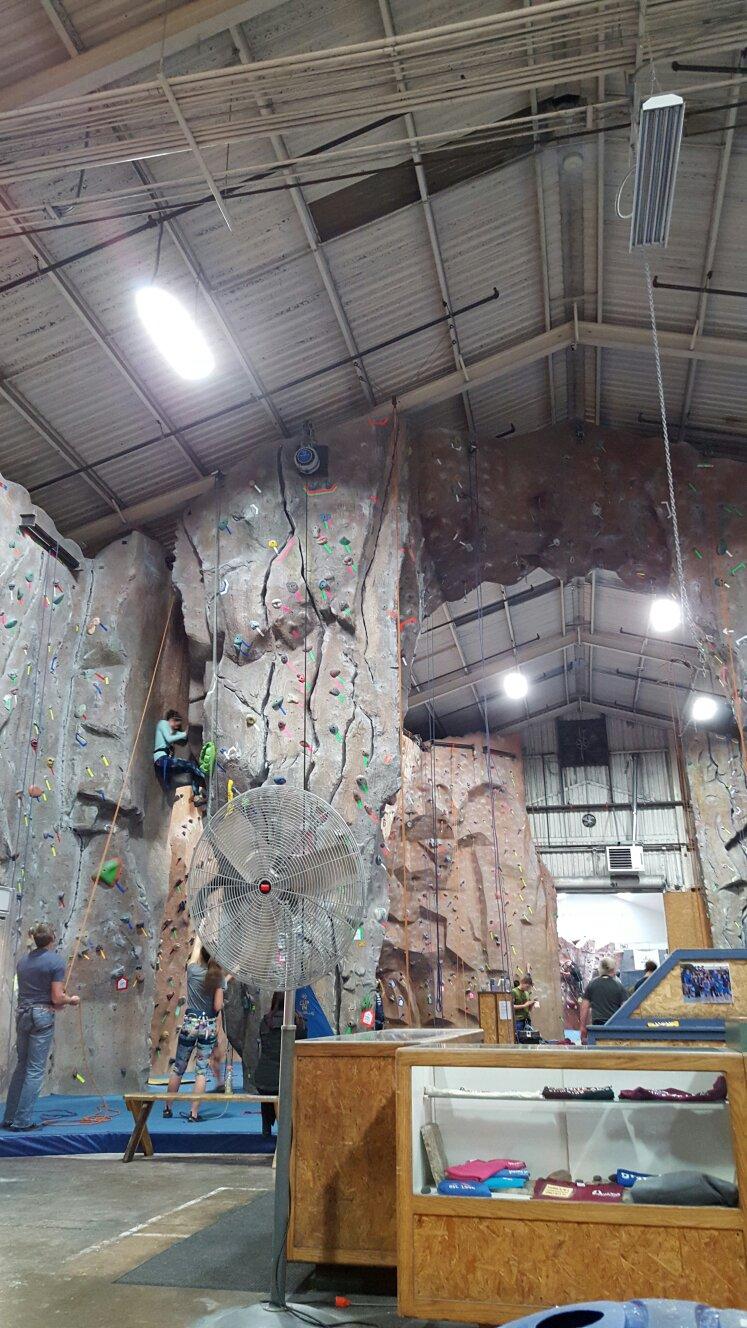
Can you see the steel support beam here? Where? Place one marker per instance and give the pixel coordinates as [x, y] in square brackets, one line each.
[710, 254]
[175, 30]
[50, 435]
[98, 532]
[309, 227]
[430, 222]
[99, 333]
[536, 348]
[63, 25]
[661, 651]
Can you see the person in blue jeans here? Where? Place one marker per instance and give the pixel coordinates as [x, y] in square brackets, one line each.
[168, 732]
[40, 975]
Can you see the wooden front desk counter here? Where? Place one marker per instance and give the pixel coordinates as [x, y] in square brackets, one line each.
[492, 1261]
[343, 1166]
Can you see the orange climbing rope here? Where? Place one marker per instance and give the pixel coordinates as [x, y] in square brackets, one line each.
[112, 826]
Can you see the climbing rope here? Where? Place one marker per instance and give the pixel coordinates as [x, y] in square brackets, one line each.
[214, 675]
[686, 612]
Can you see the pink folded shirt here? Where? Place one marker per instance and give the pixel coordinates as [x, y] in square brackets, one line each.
[479, 1170]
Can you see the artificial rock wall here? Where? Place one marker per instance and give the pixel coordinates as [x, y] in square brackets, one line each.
[77, 654]
[574, 497]
[308, 677]
[448, 935]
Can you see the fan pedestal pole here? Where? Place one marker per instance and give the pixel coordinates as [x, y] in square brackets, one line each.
[277, 1310]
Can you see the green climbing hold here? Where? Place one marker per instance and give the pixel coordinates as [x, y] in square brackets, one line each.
[739, 568]
[697, 553]
[208, 757]
[109, 872]
[11, 622]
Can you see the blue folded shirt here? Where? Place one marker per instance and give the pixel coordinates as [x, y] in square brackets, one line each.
[514, 1180]
[628, 1178]
[464, 1189]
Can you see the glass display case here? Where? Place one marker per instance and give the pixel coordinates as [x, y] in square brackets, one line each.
[536, 1177]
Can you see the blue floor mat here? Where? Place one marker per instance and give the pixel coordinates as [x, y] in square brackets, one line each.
[103, 1125]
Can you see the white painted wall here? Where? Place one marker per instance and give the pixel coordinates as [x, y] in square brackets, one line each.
[627, 920]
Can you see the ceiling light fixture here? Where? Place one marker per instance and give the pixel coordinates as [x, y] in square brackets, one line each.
[703, 709]
[174, 333]
[665, 614]
[659, 138]
[515, 686]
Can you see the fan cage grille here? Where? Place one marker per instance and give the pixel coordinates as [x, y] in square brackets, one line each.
[300, 924]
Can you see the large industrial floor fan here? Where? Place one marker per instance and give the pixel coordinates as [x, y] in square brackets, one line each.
[276, 893]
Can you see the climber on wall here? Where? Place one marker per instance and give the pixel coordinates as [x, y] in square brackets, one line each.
[40, 974]
[168, 732]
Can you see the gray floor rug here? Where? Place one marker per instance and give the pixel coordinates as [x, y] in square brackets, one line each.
[234, 1254]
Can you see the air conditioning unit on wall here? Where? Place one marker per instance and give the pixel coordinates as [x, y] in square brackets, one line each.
[625, 860]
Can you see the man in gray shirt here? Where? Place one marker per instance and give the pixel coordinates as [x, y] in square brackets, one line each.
[40, 974]
[602, 998]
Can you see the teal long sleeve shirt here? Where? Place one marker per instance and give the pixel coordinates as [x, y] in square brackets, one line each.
[165, 739]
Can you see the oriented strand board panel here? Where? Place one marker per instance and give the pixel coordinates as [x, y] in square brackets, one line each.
[344, 1164]
[688, 924]
[344, 1207]
[666, 999]
[486, 1266]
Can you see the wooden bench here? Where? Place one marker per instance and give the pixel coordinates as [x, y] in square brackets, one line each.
[141, 1105]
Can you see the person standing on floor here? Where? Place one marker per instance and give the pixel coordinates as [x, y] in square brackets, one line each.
[168, 732]
[267, 1073]
[40, 976]
[602, 998]
[206, 983]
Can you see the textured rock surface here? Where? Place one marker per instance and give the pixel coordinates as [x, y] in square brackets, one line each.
[718, 789]
[454, 935]
[308, 673]
[77, 658]
[174, 931]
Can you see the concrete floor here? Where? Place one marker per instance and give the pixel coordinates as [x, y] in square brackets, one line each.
[69, 1227]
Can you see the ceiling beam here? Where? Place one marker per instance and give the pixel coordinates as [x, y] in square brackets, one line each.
[681, 345]
[664, 652]
[185, 252]
[640, 716]
[430, 222]
[710, 254]
[98, 332]
[309, 227]
[98, 532]
[515, 357]
[63, 25]
[118, 58]
[55, 440]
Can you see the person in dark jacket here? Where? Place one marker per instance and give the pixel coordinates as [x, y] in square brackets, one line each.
[267, 1073]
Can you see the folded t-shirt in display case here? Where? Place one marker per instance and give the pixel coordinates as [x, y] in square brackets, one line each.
[570, 1132]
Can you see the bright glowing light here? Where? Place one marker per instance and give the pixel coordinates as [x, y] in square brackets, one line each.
[174, 333]
[703, 708]
[665, 615]
[516, 686]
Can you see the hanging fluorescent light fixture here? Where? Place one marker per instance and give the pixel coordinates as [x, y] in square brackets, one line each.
[174, 333]
[659, 139]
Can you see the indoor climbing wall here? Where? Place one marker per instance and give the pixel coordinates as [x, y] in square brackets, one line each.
[575, 496]
[78, 652]
[718, 790]
[175, 933]
[318, 591]
[444, 937]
